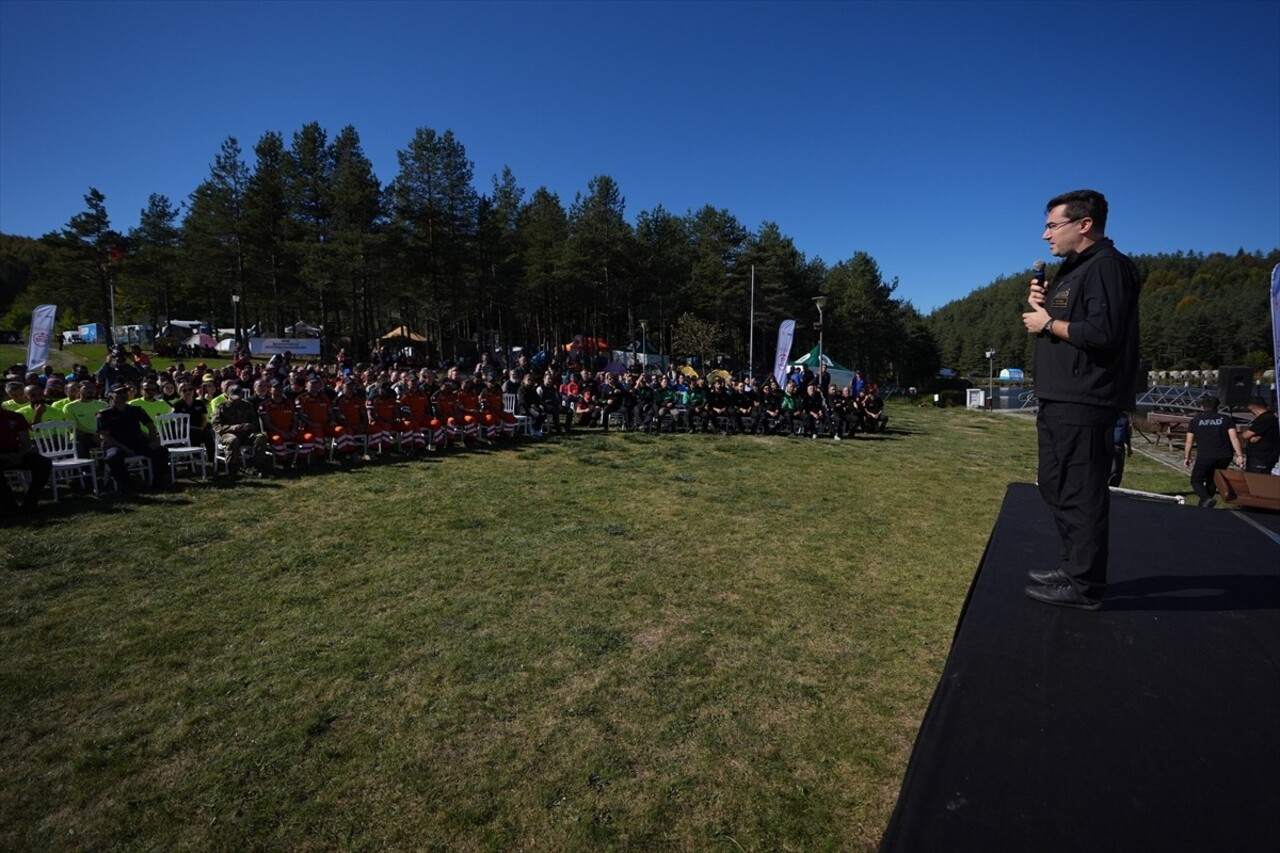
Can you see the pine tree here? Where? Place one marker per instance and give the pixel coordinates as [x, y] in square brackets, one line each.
[357, 245]
[213, 236]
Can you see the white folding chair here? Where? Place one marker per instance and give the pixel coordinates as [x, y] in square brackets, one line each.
[524, 423]
[56, 441]
[220, 457]
[136, 465]
[175, 434]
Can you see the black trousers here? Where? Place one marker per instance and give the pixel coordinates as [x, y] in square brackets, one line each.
[114, 457]
[39, 467]
[1202, 476]
[1074, 466]
[1260, 462]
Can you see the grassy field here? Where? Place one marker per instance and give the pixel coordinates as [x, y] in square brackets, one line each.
[606, 642]
[92, 355]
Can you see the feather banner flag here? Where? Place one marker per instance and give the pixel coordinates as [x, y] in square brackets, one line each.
[41, 333]
[785, 333]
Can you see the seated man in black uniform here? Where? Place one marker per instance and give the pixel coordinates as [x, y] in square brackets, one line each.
[745, 406]
[847, 412]
[720, 413]
[616, 398]
[771, 419]
[873, 417]
[815, 410]
[120, 427]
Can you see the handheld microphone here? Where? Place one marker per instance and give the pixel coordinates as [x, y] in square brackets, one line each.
[1037, 273]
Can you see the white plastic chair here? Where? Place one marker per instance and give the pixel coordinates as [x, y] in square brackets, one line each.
[136, 465]
[175, 434]
[220, 457]
[524, 423]
[56, 441]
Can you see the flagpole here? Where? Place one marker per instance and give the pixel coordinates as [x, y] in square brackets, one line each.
[111, 289]
[751, 331]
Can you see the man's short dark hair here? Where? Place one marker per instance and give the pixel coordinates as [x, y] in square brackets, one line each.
[1083, 204]
[1209, 403]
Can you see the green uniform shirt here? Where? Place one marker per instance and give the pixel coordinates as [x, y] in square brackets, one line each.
[84, 413]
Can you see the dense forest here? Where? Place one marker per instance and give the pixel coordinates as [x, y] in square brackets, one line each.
[1197, 311]
[304, 230]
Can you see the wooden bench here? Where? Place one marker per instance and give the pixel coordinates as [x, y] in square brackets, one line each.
[1260, 491]
[1168, 426]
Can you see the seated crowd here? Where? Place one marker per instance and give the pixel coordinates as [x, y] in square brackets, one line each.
[279, 414]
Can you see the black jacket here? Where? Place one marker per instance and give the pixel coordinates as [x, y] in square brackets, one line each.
[1096, 292]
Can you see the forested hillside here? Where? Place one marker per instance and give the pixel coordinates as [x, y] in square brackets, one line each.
[1198, 311]
[303, 230]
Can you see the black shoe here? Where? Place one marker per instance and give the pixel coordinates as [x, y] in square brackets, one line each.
[1061, 595]
[1209, 503]
[1048, 576]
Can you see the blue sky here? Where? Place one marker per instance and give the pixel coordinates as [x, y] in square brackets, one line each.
[929, 135]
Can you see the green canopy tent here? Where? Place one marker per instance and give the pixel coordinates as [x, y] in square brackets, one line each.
[840, 375]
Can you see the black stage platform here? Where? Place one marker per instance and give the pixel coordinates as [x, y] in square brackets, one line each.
[1151, 724]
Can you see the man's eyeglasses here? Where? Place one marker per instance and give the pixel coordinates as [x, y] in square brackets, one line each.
[1054, 226]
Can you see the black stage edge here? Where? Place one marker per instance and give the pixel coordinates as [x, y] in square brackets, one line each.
[1151, 724]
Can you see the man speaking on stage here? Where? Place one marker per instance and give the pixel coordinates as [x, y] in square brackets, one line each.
[1086, 364]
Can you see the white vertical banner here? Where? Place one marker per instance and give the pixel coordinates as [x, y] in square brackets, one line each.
[41, 333]
[1275, 321]
[786, 332]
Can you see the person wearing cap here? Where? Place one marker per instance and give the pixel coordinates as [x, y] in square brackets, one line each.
[236, 424]
[126, 431]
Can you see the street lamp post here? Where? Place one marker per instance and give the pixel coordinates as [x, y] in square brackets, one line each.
[991, 378]
[821, 302]
[644, 342]
[235, 315]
